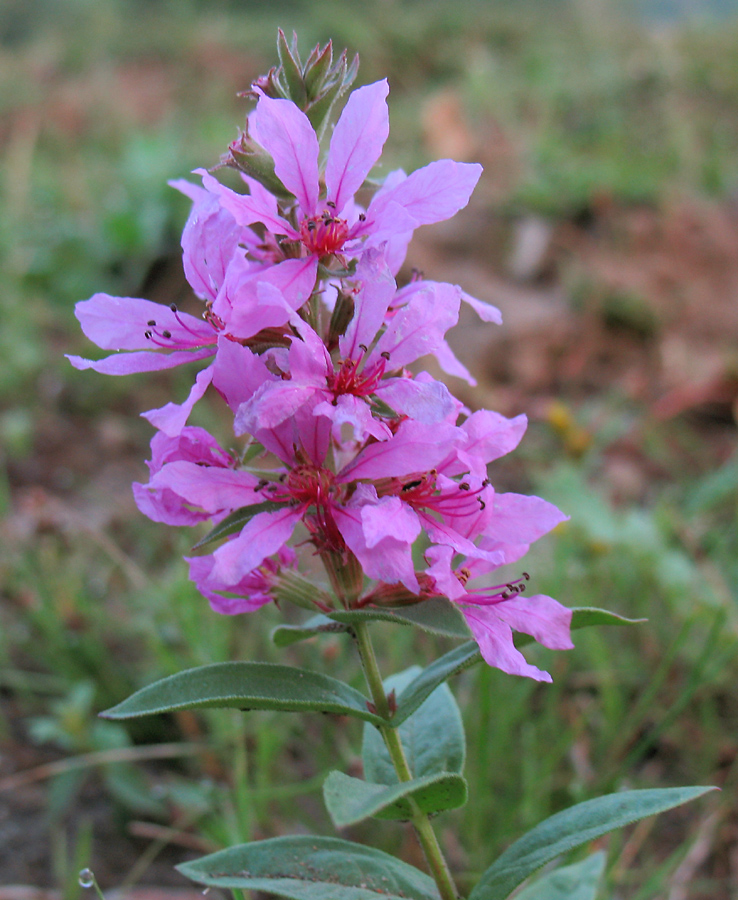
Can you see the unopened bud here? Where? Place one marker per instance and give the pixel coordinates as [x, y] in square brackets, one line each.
[343, 313]
[253, 160]
[293, 587]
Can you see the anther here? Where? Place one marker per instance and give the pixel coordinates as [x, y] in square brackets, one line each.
[166, 334]
[147, 335]
[385, 354]
[463, 486]
[362, 217]
[364, 348]
[482, 504]
[173, 307]
[331, 204]
[152, 322]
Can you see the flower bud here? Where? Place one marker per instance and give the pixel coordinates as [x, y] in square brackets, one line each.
[293, 587]
[253, 160]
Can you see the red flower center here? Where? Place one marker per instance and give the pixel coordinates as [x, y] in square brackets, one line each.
[324, 234]
[352, 378]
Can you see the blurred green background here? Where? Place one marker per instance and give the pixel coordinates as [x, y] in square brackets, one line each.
[605, 227]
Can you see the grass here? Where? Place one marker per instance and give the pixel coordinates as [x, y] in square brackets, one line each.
[590, 108]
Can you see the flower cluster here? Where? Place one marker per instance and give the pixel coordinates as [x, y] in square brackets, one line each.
[307, 338]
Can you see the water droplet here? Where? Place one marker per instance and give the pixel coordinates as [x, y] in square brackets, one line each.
[86, 878]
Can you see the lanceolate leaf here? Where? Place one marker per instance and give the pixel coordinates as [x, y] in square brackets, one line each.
[571, 828]
[576, 882]
[233, 523]
[350, 800]
[432, 737]
[246, 685]
[421, 687]
[312, 868]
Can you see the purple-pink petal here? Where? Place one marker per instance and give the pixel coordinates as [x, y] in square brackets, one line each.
[496, 643]
[210, 238]
[357, 141]
[415, 447]
[259, 538]
[431, 194]
[417, 328]
[377, 288]
[423, 401]
[165, 506]
[254, 588]
[238, 373]
[521, 519]
[389, 560]
[489, 436]
[485, 311]
[247, 209]
[211, 488]
[285, 132]
[143, 361]
[346, 409]
[543, 618]
[252, 299]
[192, 444]
[451, 365]
[122, 323]
[172, 417]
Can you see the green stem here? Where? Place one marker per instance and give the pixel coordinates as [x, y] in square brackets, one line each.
[420, 820]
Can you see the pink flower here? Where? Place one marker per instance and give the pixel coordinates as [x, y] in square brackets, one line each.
[335, 225]
[192, 480]
[249, 593]
[493, 613]
[347, 391]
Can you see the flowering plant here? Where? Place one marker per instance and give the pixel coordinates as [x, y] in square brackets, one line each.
[350, 456]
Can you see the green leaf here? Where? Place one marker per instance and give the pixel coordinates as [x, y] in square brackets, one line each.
[350, 800]
[432, 737]
[421, 687]
[576, 882]
[438, 615]
[571, 828]
[246, 685]
[235, 521]
[312, 868]
[284, 635]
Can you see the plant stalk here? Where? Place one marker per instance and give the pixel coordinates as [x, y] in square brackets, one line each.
[420, 820]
